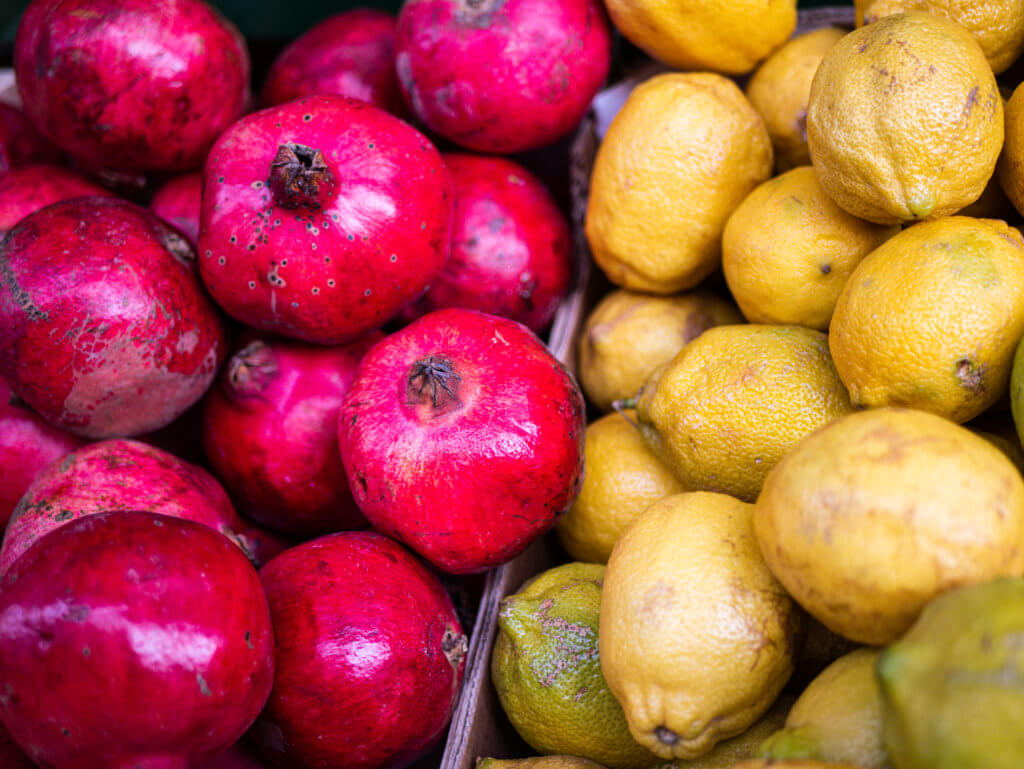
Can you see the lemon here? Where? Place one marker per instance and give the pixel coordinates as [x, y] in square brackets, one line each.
[623, 479]
[683, 152]
[871, 517]
[546, 671]
[726, 753]
[930, 319]
[628, 335]
[1011, 162]
[953, 687]
[838, 717]
[790, 763]
[696, 635]
[728, 36]
[997, 25]
[788, 250]
[905, 120]
[735, 400]
[781, 88]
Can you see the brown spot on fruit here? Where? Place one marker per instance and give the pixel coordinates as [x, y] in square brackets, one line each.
[970, 375]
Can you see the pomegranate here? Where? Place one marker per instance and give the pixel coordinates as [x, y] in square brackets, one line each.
[177, 202]
[502, 76]
[132, 641]
[116, 475]
[369, 657]
[104, 327]
[462, 436]
[131, 85]
[270, 434]
[20, 143]
[350, 54]
[33, 187]
[322, 218]
[510, 252]
[12, 757]
[28, 445]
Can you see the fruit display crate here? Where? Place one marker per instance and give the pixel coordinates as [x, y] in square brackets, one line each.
[479, 726]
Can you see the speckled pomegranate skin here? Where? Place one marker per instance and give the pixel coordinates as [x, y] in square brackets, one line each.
[28, 189]
[510, 251]
[104, 327]
[117, 475]
[131, 85]
[20, 143]
[28, 445]
[349, 54]
[369, 660]
[269, 428]
[329, 272]
[177, 202]
[132, 641]
[502, 76]
[468, 478]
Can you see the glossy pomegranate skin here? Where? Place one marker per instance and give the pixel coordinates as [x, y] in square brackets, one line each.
[117, 475]
[331, 266]
[462, 437]
[269, 429]
[132, 640]
[30, 188]
[12, 757]
[28, 445]
[104, 327]
[511, 245]
[131, 85]
[20, 143]
[177, 202]
[502, 76]
[349, 54]
[370, 655]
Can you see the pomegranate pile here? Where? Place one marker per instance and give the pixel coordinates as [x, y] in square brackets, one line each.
[271, 372]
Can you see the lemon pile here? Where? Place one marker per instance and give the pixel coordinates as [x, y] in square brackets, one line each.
[806, 482]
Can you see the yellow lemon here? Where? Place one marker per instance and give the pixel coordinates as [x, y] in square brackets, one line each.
[729, 36]
[628, 335]
[1011, 163]
[696, 636]
[735, 400]
[623, 479]
[838, 717]
[997, 25]
[683, 152]
[788, 250]
[871, 517]
[905, 120]
[780, 89]
[931, 318]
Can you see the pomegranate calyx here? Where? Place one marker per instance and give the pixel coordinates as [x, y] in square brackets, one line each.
[435, 377]
[299, 176]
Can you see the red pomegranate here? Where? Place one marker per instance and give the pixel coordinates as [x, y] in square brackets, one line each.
[20, 143]
[510, 252]
[177, 202]
[350, 54]
[104, 326]
[117, 475]
[270, 434]
[322, 218]
[238, 756]
[462, 436]
[28, 445]
[131, 85]
[28, 189]
[369, 657]
[12, 757]
[132, 641]
[502, 76]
